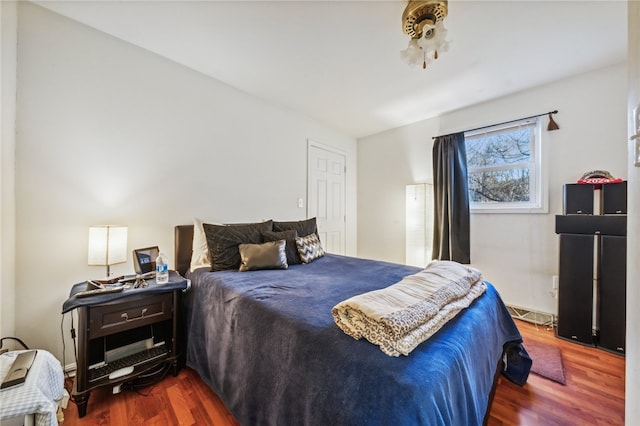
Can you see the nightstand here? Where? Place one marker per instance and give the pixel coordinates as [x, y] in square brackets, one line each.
[126, 334]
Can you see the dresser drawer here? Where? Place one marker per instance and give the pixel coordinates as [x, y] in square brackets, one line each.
[135, 312]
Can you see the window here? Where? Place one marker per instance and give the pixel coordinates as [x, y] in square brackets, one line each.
[505, 169]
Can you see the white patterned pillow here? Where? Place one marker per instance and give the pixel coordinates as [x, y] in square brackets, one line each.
[309, 248]
[200, 250]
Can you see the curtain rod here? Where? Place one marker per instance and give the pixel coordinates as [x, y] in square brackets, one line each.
[504, 122]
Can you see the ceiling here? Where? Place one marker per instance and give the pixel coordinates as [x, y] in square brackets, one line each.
[338, 61]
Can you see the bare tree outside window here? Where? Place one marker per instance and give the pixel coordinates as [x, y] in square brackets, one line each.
[501, 165]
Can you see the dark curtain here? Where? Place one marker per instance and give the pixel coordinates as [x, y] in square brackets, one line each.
[451, 199]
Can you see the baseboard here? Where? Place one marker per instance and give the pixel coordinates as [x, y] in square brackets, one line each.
[529, 315]
[70, 369]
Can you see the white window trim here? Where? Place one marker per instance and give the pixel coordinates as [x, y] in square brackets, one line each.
[541, 179]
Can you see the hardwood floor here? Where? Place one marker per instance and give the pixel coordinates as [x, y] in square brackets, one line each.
[181, 400]
[593, 395]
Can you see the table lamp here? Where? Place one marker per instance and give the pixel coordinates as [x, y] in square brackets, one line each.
[107, 245]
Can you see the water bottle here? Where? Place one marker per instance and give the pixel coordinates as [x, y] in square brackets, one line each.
[162, 269]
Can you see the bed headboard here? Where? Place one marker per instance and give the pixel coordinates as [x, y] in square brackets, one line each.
[183, 245]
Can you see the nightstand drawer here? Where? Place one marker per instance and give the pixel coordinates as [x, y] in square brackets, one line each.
[135, 312]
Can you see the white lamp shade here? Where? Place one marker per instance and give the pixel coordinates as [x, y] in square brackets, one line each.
[437, 43]
[107, 245]
[413, 54]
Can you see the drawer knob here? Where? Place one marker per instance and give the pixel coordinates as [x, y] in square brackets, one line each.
[125, 315]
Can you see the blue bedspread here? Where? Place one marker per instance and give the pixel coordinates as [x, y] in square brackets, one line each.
[266, 343]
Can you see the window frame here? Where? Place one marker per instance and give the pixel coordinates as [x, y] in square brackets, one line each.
[538, 175]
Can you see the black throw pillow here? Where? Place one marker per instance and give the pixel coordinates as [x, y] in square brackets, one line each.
[302, 227]
[293, 258]
[223, 242]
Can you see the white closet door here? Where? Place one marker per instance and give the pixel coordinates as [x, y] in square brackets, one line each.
[326, 195]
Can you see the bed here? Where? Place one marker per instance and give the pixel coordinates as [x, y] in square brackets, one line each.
[267, 345]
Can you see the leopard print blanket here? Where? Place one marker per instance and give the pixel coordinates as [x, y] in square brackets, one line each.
[400, 317]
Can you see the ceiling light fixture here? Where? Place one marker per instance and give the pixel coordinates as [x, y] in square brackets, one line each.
[423, 21]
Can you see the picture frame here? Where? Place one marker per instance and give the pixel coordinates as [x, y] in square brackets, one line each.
[144, 259]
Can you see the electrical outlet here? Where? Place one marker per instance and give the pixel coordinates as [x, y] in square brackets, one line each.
[300, 203]
[554, 282]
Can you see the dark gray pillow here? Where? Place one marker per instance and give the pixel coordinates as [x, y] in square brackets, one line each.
[293, 258]
[270, 255]
[223, 241]
[302, 227]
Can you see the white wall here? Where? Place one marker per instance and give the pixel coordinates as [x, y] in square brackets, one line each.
[386, 163]
[109, 133]
[8, 28]
[632, 392]
[518, 253]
